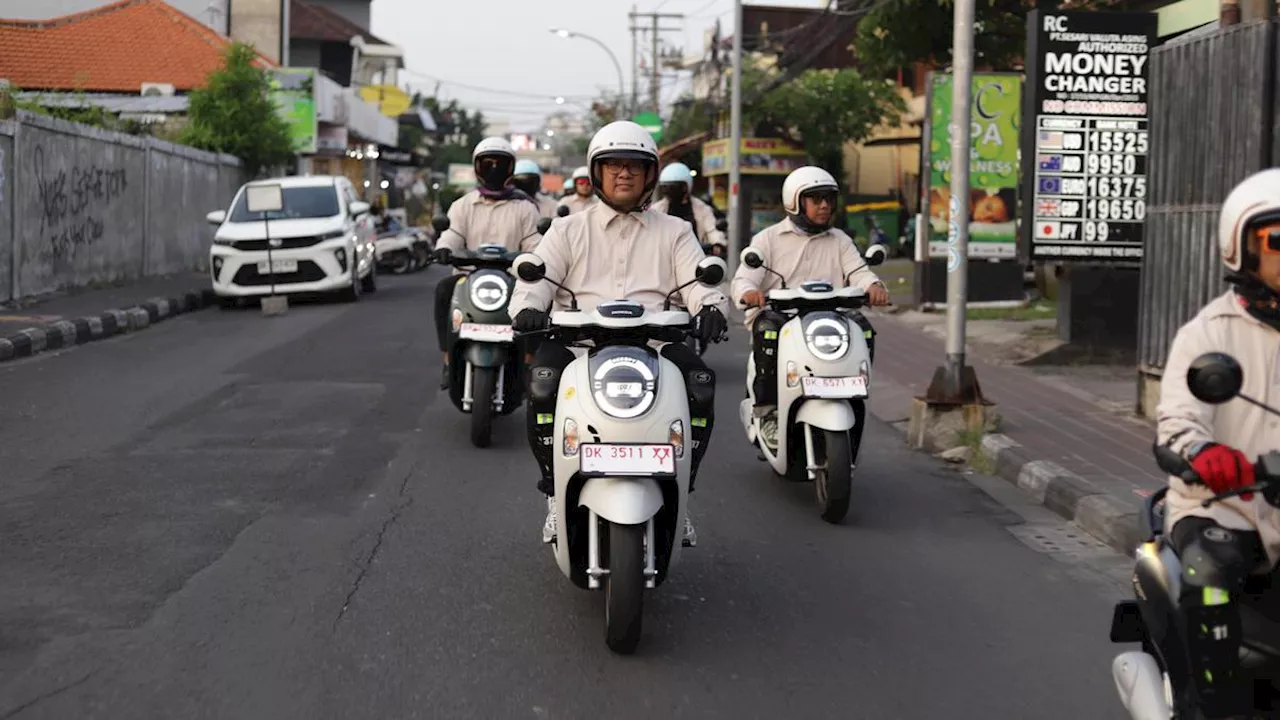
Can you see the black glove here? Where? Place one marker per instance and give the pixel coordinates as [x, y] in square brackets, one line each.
[443, 255]
[530, 320]
[711, 325]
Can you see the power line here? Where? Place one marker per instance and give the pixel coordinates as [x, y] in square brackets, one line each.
[496, 91]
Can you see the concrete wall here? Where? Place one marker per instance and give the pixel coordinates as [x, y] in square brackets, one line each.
[80, 206]
[258, 23]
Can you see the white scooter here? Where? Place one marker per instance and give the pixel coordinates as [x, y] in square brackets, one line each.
[622, 459]
[824, 379]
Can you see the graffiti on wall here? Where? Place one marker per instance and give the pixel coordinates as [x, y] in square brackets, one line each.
[72, 202]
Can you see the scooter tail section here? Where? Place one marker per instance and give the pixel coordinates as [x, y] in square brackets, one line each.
[835, 415]
[623, 501]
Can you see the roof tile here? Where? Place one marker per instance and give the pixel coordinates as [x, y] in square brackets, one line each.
[114, 48]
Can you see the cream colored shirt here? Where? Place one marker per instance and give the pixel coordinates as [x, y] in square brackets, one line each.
[605, 255]
[546, 205]
[798, 257]
[476, 220]
[704, 216]
[577, 203]
[1223, 326]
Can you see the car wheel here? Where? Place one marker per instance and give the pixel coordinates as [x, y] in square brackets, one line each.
[369, 283]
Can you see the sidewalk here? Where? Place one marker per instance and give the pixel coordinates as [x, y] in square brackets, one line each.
[31, 326]
[1078, 456]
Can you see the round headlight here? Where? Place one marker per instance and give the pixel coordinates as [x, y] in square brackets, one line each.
[624, 387]
[827, 339]
[488, 293]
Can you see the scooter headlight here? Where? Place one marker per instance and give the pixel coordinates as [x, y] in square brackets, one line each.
[624, 382]
[827, 338]
[488, 293]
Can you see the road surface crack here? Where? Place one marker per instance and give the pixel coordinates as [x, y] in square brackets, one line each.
[405, 501]
[49, 695]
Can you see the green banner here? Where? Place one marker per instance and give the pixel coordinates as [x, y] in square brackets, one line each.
[294, 92]
[993, 165]
[651, 122]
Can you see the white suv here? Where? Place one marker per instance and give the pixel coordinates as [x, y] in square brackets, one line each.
[322, 241]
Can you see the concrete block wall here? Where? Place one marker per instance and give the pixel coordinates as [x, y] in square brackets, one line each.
[80, 205]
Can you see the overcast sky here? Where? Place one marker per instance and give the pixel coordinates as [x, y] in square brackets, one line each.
[504, 45]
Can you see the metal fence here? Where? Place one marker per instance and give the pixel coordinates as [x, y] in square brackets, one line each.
[1212, 125]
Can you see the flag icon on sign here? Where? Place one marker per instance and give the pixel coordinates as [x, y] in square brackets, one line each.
[1051, 163]
[1050, 185]
[1049, 208]
[1047, 231]
[1050, 140]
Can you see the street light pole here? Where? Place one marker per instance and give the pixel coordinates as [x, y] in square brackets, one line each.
[735, 139]
[616, 65]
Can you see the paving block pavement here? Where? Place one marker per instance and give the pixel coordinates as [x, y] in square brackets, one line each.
[1079, 458]
[52, 323]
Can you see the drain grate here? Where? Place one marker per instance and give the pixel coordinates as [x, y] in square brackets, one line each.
[1059, 540]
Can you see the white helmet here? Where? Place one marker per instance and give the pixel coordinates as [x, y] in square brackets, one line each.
[493, 146]
[622, 139]
[1256, 198]
[802, 180]
[581, 172]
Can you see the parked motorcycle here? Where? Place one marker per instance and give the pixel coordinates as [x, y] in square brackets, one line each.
[623, 461]
[824, 380]
[1154, 682]
[483, 360]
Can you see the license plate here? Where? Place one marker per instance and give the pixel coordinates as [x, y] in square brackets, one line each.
[486, 333]
[845, 387]
[278, 266]
[628, 459]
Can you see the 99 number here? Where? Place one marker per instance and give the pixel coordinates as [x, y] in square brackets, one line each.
[1096, 232]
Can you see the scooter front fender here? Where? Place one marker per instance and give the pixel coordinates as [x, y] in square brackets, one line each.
[835, 415]
[486, 354]
[622, 500]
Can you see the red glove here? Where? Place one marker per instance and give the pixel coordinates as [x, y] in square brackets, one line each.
[1224, 468]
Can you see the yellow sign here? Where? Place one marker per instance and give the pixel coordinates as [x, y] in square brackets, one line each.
[883, 205]
[391, 100]
[760, 156]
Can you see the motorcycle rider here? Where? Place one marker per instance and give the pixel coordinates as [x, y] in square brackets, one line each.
[495, 213]
[802, 247]
[617, 249]
[582, 195]
[1224, 543]
[528, 179]
[676, 186]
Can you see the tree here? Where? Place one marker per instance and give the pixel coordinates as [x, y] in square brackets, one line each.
[458, 131]
[822, 110]
[235, 113]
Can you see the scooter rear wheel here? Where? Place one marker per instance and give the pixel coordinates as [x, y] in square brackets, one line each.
[624, 588]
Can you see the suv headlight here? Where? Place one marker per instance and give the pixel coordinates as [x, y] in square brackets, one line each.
[488, 293]
[827, 338]
[624, 386]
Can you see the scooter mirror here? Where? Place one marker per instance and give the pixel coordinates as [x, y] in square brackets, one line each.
[722, 225]
[440, 223]
[544, 225]
[1215, 378]
[711, 271]
[752, 258]
[875, 254]
[563, 211]
[529, 267]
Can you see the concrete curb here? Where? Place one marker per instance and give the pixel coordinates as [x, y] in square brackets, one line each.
[109, 323]
[1109, 518]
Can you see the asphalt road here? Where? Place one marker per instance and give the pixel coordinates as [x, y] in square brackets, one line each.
[232, 516]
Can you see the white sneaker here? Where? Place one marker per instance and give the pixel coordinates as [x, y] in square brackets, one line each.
[549, 526]
[769, 431]
[690, 535]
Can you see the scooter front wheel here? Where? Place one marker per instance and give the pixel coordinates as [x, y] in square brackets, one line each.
[834, 483]
[484, 381]
[624, 588]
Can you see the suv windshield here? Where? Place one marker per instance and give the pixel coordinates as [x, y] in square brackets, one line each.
[320, 201]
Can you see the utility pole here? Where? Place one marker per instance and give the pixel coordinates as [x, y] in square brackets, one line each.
[735, 139]
[656, 67]
[635, 62]
[955, 383]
